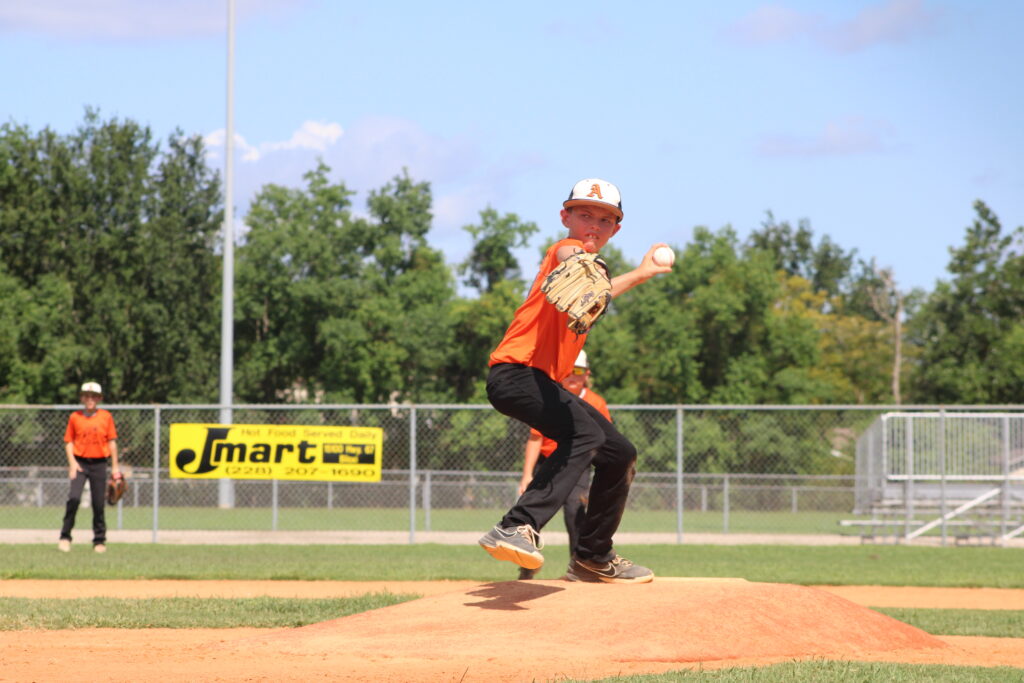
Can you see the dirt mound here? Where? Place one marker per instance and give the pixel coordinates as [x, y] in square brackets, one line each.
[531, 628]
[512, 631]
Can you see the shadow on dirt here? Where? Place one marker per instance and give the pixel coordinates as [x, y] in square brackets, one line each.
[507, 595]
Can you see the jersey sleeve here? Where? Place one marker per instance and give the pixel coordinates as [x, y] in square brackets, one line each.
[69, 431]
[111, 429]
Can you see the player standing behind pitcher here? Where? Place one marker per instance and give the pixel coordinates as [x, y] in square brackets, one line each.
[537, 351]
[89, 440]
[575, 508]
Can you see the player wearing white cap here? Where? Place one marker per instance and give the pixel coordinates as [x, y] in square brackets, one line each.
[89, 440]
[536, 353]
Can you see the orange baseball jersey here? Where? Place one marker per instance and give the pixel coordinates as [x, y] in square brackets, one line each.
[539, 335]
[548, 446]
[90, 434]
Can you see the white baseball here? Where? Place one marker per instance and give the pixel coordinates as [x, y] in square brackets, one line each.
[663, 256]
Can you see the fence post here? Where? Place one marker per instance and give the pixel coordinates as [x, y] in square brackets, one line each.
[412, 474]
[908, 487]
[273, 504]
[679, 475]
[1006, 478]
[427, 489]
[942, 471]
[792, 495]
[156, 472]
[725, 503]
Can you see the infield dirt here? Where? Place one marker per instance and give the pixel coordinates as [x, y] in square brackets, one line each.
[505, 631]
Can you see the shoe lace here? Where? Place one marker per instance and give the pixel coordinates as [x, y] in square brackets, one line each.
[620, 561]
[532, 534]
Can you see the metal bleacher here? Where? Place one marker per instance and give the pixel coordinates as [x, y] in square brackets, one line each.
[942, 475]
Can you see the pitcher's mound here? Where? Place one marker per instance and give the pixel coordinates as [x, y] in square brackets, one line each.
[518, 630]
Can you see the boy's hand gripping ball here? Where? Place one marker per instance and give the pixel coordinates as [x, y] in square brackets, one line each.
[663, 256]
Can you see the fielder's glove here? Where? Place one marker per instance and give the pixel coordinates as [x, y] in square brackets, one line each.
[116, 487]
[581, 287]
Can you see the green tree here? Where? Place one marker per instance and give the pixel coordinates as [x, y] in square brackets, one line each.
[490, 260]
[338, 307]
[827, 266]
[110, 239]
[969, 330]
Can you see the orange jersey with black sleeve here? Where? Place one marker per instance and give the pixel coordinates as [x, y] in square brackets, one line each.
[548, 446]
[539, 335]
[90, 434]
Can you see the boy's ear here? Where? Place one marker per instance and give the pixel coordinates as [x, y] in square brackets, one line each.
[564, 213]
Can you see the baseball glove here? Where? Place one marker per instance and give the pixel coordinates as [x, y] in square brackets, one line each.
[581, 287]
[116, 487]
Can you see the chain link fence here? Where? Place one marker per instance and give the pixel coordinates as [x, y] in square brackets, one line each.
[701, 469]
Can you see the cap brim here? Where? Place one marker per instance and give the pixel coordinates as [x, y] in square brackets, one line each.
[605, 205]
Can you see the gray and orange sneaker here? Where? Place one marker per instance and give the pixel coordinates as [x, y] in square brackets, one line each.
[619, 570]
[517, 544]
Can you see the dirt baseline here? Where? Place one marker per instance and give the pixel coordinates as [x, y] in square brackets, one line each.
[510, 631]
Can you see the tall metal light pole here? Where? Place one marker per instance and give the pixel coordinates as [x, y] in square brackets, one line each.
[226, 488]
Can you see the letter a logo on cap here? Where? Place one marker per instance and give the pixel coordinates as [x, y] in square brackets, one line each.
[595, 191]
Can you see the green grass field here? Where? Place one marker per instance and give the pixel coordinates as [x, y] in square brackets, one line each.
[879, 565]
[885, 565]
[832, 672]
[397, 519]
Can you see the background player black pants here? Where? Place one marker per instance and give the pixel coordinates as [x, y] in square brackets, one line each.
[575, 508]
[584, 438]
[95, 471]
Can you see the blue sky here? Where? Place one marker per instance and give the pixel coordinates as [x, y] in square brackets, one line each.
[880, 121]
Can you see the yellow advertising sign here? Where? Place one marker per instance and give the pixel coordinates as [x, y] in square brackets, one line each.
[302, 452]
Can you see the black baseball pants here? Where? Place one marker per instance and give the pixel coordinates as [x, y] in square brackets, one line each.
[94, 470]
[585, 438]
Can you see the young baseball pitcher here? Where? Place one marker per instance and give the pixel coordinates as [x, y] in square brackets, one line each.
[539, 349]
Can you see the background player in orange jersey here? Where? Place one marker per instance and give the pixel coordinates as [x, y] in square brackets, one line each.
[89, 440]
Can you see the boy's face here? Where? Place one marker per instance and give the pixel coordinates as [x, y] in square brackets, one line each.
[591, 224]
[89, 400]
[576, 380]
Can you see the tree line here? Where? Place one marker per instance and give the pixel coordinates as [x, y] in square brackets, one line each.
[111, 271]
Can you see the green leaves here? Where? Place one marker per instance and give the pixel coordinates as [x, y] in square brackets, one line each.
[969, 327]
[111, 270]
[107, 244]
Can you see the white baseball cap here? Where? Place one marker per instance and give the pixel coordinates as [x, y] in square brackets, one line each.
[595, 191]
[581, 360]
[92, 388]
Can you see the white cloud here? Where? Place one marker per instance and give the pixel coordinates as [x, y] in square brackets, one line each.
[844, 137]
[130, 19]
[215, 140]
[896, 21]
[371, 152]
[893, 21]
[311, 135]
[315, 135]
[375, 149]
[773, 24]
